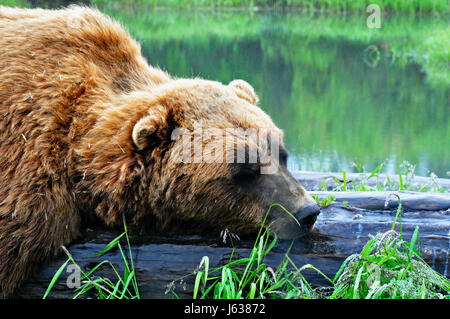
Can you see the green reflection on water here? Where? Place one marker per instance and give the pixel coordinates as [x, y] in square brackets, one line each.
[342, 92]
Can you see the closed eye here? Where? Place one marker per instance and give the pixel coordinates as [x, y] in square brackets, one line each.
[247, 173]
[283, 157]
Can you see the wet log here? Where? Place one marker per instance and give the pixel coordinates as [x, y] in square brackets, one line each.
[162, 261]
[314, 180]
[411, 201]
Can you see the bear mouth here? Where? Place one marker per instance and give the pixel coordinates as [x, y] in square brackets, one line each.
[308, 222]
[307, 215]
[288, 228]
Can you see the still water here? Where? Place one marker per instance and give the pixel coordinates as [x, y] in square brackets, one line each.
[344, 94]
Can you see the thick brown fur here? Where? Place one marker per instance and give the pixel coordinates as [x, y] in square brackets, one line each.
[85, 128]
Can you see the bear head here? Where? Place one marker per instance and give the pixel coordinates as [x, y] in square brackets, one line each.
[206, 157]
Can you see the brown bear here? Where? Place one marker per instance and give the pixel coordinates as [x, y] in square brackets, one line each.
[86, 131]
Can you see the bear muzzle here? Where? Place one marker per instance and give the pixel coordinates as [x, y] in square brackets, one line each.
[307, 215]
[287, 227]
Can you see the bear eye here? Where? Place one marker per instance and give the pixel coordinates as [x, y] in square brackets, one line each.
[283, 157]
[246, 172]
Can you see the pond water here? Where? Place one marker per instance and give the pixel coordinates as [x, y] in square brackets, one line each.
[343, 93]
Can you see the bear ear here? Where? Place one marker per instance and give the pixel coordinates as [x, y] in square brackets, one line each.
[150, 127]
[244, 91]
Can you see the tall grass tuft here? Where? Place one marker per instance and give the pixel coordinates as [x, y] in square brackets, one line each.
[388, 267]
[250, 277]
[406, 174]
[124, 287]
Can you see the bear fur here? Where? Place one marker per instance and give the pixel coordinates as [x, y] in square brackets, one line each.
[85, 129]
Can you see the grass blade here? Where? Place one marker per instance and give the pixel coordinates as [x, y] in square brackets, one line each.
[55, 278]
[197, 283]
[108, 247]
[357, 282]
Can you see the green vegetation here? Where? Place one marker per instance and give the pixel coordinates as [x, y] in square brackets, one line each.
[388, 267]
[125, 287]
[313, 78]
[341, 91]
[324, 202]
[406, 174]
[249, 278]
[15, 3]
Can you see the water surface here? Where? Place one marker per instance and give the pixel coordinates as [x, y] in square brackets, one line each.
[343, 93]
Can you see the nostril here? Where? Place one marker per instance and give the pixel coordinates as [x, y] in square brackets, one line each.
[309, 210]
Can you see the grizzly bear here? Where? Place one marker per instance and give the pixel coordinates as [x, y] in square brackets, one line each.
[87, 133]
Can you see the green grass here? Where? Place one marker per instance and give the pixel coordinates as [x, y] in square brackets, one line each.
[250, 277]
[324, 202]
[340, 6]
[388, 267]
[92, 286]
[15, 3]
[277, 51]
[406, 174]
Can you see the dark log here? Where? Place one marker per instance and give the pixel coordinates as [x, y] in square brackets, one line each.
[314, 180]
[340, 231]
[411, 201]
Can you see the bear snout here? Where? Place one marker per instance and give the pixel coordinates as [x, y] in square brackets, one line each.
[307, 215]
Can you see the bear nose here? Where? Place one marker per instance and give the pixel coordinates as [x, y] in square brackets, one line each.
[308, 213]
